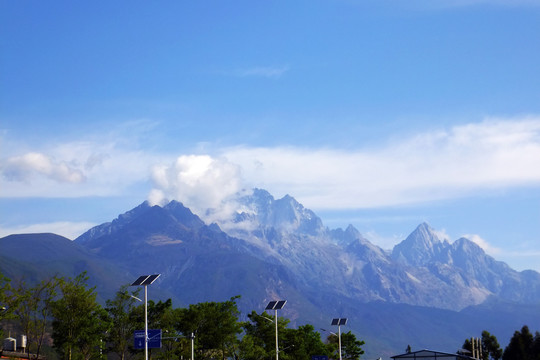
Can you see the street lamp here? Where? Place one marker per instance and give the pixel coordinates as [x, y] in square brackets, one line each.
[145, 280]
[276, 305]
[339, 322]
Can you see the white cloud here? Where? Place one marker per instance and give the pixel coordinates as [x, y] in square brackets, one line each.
[442, 235]
[486, 246]
[443, 164]
[431, 166]
[25, 167]
[200, 182]
[74, 169]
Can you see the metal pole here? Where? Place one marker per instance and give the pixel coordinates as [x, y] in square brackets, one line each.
[192, 351]
[277, 347]
[339, 340]
[145, 322]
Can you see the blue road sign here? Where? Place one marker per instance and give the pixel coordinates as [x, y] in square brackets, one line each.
[319, 357]
[154, 339]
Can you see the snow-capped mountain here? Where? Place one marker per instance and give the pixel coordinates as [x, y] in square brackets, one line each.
[277, 249]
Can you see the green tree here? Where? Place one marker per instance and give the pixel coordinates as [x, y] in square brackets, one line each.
[249, 348]
[156, 315]
[262, 330]
[215, 325]
[301, 343]
[535, 350]
[5, 300]
[351, 348]
[173, 345]
[32, 309]
[79, 323]
[123, 323]
[490, 347]
[520, 346]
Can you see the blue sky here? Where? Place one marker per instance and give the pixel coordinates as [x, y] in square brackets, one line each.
[381, 114]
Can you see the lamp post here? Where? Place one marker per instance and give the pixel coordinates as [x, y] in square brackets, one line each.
[339, 322]
[276, 305]
[192, 346]
[145, 280]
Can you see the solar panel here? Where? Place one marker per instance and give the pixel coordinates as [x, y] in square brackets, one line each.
[280, 304]
[151, 279]
[275, 305]
[339, 321]
[145, 280]
[139, 280]
[271, 305]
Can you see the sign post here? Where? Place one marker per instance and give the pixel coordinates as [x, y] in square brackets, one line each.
[154, 339]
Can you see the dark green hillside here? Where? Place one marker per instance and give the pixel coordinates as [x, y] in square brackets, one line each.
[34, 257]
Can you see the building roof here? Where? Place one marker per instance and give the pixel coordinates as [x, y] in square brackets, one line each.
[432, 355]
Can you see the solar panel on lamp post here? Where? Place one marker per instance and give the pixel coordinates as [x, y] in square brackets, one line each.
[338, 322]
[276, 305]
[145, 280]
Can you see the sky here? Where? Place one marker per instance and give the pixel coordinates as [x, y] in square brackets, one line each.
[380, 114]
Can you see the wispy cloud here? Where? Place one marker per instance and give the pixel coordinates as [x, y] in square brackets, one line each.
[484, 244]
[263, 71]
[24, 167]
[75, 169]
[444, 164]
[448, 163]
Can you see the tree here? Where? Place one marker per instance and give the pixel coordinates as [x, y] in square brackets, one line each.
[520, 346]
[351, 348]
[123, 324]
[249, 349]
[79, 322]
[535, 350]
[173, 345]
[216, 327]
[33, 311]
[5, 300]
[490, 347]
[261, 328]
[301, 343]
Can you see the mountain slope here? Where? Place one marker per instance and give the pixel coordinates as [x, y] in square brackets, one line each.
[35, 257]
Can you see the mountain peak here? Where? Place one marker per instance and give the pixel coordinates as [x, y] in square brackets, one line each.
[285, 215]
[420, 247]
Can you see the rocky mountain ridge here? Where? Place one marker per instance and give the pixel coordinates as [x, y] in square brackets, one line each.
[271, 249]
[421, 270]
